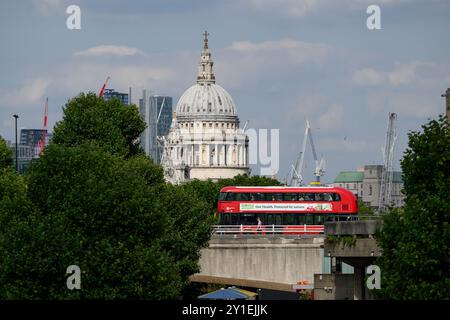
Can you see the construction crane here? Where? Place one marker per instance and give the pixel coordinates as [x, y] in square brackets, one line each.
[102, 91]
[387, 174]
[297, 169]
[41, 143]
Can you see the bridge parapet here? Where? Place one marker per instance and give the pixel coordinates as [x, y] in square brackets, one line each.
[362, 227]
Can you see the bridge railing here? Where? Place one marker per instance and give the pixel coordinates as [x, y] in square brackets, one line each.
[271, 229]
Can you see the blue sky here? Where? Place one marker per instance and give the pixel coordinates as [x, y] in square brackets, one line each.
[283, 61]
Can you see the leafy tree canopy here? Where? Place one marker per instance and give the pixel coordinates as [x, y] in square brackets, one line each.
[132, 235]
[415, 240]
[6, 154]
[111, 124]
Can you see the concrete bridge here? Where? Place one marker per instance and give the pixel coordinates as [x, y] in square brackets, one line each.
[267, 262]
[287, 263]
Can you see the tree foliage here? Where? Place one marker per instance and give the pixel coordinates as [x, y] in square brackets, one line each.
[132, 235]
[111, 124]
[6, 154]
[93, 201]
[415, 240]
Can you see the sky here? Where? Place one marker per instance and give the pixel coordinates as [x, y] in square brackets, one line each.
[282, 61]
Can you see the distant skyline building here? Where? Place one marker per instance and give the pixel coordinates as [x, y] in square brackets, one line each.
[157, 114]
[24, 156]
[365, 182]
[447, 104]
[31, 138]
[111, 94]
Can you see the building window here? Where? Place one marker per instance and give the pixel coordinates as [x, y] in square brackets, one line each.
[370, 190]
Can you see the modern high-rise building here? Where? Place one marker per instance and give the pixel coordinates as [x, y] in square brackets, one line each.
[447, 105]
[111, 94]
[31, 138]
[25, 155]
[157, 114]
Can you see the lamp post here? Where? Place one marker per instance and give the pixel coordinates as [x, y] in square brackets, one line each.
[17, 163]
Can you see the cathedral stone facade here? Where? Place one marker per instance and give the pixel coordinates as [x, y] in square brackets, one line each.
[205, 140]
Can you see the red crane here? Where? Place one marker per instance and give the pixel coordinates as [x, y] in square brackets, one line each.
[41, 143]
[102, 91]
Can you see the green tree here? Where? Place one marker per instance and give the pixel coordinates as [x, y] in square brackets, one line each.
[415, 240]
[95, 201]
[364, 209]
[99, 212]
[111, 124]
[6, 154]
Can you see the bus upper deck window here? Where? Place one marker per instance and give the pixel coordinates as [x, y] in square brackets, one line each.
[223, 196]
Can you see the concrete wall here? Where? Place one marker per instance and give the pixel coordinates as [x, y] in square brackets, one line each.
[365, 227]
[276, 261]
[333, 287]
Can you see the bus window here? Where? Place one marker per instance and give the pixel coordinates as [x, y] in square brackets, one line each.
[301, 219]
[248, 218]
[223, 195]
[336, 197]
[290, 219]
[242, 196]
[230, 196]
[277, 197]
[306, 197]
[257, 196]
[320, 197]
[328, 197]
[318, 219]
[270, 219]
[309, 219]
[290, 196]
[329, 218]
[278, 219]
[234, 218]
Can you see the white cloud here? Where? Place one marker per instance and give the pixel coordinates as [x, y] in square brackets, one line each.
[47, 7]
[332, 118]
[342, 144]
[368, 76]
[295, 8]
[293, 50]
[246, 62]
[31, 93]
[415, 105]
[403, 74]
[110, 50]
[300, 8]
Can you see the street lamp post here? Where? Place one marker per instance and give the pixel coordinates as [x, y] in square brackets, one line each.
[17, 150]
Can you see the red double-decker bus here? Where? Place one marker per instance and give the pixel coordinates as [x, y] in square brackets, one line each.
[299, 209]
